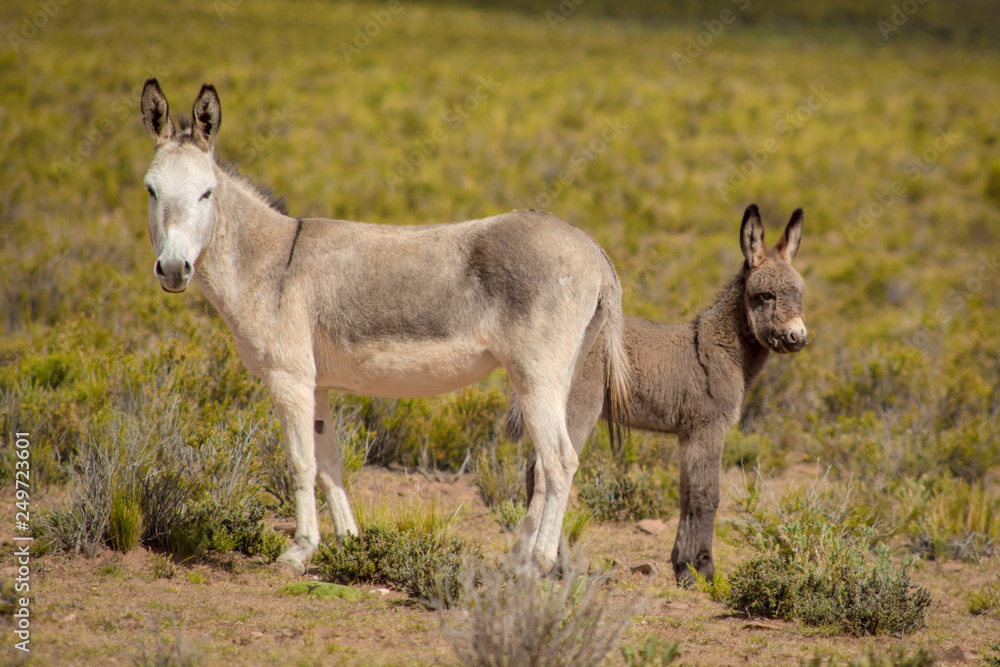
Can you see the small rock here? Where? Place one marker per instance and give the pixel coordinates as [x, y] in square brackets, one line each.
[652, 526]
[381, 592]
[69, 618]
[954, 654]
[678, 606]
[951, 567]
[286, 527]
[649, 568]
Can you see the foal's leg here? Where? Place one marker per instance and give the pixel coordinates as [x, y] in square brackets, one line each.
[294, 403]
[330, 461]
[700, 460]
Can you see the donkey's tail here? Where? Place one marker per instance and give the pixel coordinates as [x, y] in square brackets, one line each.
[617, 371]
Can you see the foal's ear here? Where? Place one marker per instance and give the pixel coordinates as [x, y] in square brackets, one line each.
[788, 245]
[156, 113]
[752, 237]
[207, 116]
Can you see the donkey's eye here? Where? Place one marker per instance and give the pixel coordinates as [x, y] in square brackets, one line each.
[766, 296]
[151, 191]
[208, 193]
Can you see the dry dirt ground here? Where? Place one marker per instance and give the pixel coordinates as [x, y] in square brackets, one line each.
[113, 609]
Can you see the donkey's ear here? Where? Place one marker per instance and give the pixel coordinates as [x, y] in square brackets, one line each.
[788, 245]
[207, 116]
[156, 113]
[752, 237]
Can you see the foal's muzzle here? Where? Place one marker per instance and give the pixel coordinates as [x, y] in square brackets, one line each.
[174, 274]
[793, 338]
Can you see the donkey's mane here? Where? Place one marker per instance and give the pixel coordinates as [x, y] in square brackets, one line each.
[232, 170]
[268, 195]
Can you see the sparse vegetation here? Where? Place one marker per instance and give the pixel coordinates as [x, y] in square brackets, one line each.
[144, 421]
[811, 564]
[615, 492]
[423, 565]
[653, 653]
[510, 615]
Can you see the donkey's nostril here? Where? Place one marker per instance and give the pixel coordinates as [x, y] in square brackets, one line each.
[188, 269]
[158, 270]
[792, 337]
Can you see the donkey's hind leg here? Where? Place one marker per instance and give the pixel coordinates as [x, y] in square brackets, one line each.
[330, 465]
[556, 463]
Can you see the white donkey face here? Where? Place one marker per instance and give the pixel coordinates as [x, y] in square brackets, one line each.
[180, 182]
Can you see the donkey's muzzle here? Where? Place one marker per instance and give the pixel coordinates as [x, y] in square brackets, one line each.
[795, 336]
[173, 274]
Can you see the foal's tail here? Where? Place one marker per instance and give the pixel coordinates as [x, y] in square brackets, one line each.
[617, 372]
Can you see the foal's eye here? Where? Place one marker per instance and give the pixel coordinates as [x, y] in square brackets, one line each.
[151, 191]
[208, 193]
[766, 296]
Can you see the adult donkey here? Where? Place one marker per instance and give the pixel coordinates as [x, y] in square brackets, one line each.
[690, 379]
[396, 311]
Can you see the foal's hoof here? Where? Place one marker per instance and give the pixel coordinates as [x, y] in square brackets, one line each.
[290, 567]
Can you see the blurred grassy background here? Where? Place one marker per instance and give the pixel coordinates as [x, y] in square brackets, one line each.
[888, 138]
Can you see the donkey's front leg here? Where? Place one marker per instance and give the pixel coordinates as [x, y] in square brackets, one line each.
[294, 403]
[700, 459]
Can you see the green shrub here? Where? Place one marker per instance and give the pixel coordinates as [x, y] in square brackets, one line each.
[419, 516]
[717, 590]
[616, 493]
[125, 523]
[993, 660]
[499, 474]
[982, 602]
[509, 514]
[959, 520]
[424, 566]
[811, 564]
[575, 522]
[653, 653]
[898, 658]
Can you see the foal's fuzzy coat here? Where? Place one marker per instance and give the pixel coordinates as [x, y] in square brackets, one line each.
[690, 379]
[398, 311]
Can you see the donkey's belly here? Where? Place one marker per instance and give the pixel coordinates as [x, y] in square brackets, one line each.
[403, 369]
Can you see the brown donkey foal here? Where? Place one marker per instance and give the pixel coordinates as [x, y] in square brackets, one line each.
[690, 378]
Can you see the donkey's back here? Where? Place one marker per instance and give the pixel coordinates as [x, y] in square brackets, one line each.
[446, 304]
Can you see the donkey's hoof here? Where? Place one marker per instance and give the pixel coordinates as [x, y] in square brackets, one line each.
[290, 567]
